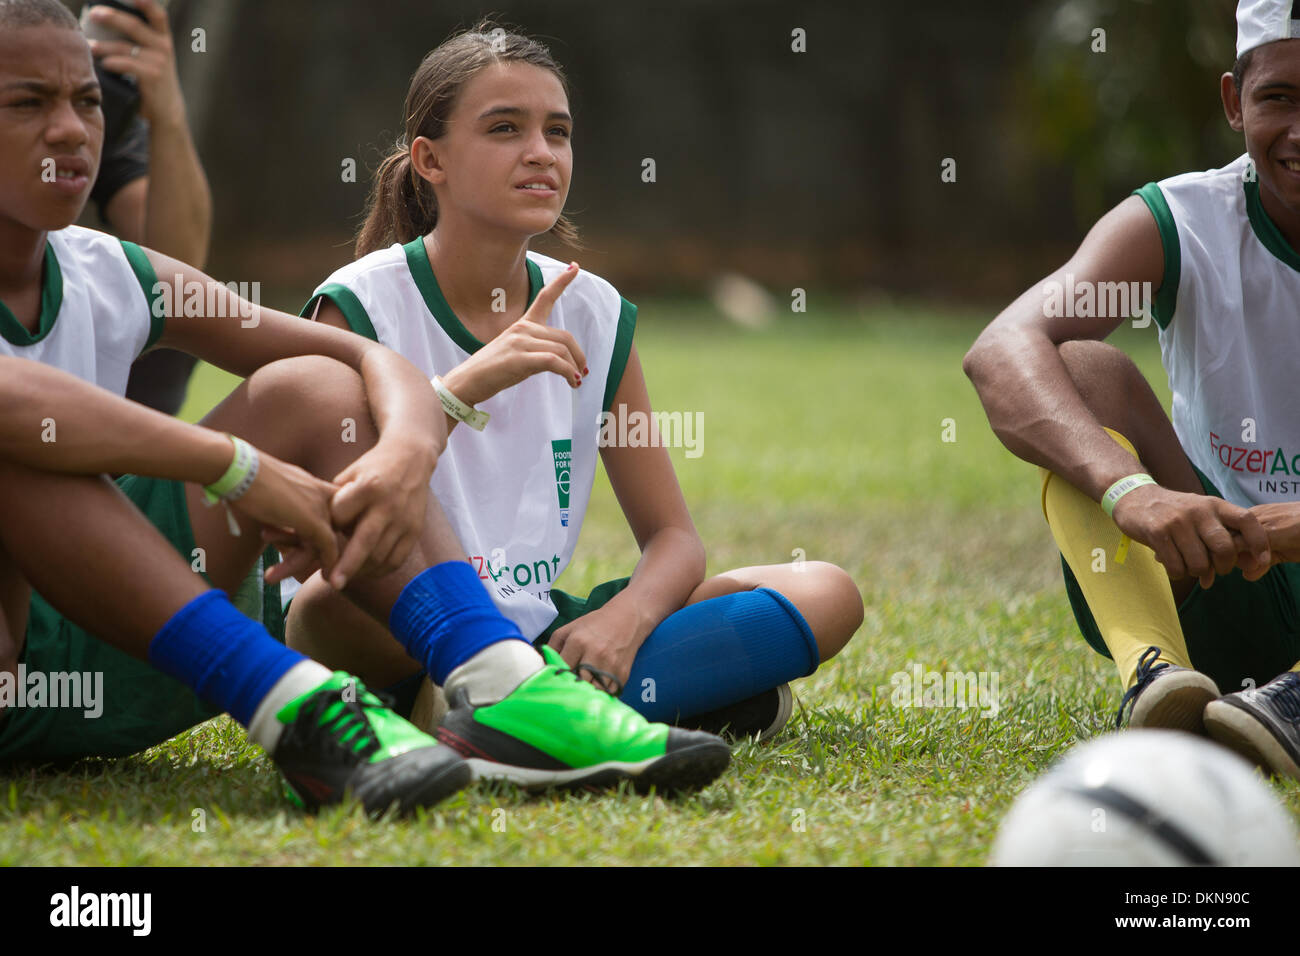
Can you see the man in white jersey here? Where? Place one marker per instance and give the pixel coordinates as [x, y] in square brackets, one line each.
[1181, 574]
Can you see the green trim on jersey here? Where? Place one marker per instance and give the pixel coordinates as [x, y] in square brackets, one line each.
[345, 299]
[1167, 294]
[51, 300]
[417, 260]
[148, 279]
[1265, 229]
[622, 349]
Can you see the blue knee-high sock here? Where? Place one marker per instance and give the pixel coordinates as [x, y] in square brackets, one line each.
[718, 652]
[226, 658]
[444, 616]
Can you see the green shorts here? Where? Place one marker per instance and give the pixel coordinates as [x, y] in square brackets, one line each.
[138, 705]
[1236, 632]
[571, 608]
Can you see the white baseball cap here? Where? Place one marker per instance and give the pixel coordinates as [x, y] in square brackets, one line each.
[1263, 21]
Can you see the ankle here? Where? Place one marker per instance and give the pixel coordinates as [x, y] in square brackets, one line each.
[494, 672]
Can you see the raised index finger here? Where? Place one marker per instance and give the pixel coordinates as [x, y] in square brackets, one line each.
[540, 310]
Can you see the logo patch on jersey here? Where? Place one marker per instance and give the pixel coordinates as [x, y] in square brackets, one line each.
[562, 452]
[1266, 462]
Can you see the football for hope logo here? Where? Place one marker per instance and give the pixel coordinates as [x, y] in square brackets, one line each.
[562, 453]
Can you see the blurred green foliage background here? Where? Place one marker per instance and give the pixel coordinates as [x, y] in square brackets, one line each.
[818, 169]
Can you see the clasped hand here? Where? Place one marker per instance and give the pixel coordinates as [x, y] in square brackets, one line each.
[366, 521]
[1202, 536]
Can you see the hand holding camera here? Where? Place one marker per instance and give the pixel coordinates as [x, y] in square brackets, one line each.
[132, 41]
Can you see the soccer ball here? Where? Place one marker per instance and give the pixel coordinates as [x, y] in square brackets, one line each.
[1148, 798]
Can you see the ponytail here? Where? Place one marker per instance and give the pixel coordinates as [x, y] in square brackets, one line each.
[565, 231]
[401, 205]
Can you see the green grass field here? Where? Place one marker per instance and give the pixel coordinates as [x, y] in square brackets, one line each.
[823, 438]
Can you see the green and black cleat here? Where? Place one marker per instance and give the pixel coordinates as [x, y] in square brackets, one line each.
[340, 740]
[556, 729]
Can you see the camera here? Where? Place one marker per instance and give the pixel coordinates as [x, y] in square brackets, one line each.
[97, 31]
[121, 96]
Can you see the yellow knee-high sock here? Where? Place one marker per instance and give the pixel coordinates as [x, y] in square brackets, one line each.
[1128, 593]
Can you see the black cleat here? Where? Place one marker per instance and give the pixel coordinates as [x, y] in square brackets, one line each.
[341, 740]
[1262, 724]
[761, 716]
[1167, 696]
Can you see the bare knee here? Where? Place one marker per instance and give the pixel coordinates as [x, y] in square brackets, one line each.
[1121, 399]
[317, 405]
[824, 594]
[312, 621]
[1095, 358]
[1115, 391]
[839, 608]
[1106, 379]
[326, 626]
[312, 385]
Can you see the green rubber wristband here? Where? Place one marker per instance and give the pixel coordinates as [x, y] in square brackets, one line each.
[242, 468]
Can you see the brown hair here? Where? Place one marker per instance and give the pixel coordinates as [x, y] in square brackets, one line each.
[402, 206]
[36, 13]
[1239, 69]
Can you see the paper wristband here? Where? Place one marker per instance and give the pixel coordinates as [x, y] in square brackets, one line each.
[1121, 488]
[457, 409]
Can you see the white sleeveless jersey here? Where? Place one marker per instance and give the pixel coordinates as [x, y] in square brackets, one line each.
[96, 309]
[1229, 317]
[516, 492]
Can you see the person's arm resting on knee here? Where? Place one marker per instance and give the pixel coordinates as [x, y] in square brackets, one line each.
[1036, 409]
